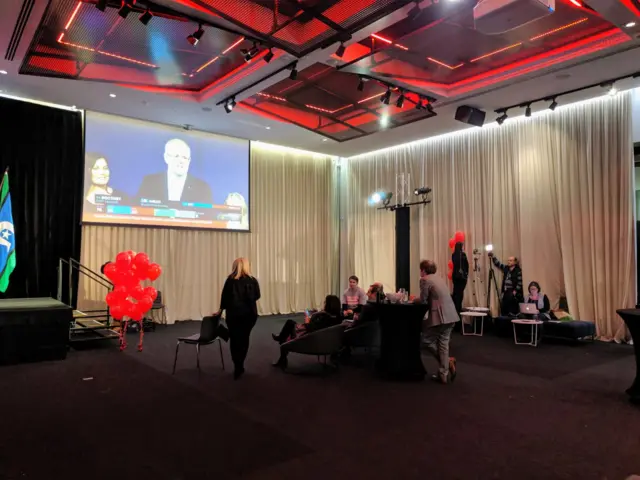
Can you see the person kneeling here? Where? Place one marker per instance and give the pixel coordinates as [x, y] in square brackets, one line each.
[325, 318]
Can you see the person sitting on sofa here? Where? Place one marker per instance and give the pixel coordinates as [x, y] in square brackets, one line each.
[353, 298]
[368, 311]
[538, 298]
[325, 318]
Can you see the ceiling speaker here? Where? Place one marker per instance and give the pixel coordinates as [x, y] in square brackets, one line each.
[470, 115]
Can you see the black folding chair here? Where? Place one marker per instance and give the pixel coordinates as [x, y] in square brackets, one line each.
[158, 304]
[208, 335]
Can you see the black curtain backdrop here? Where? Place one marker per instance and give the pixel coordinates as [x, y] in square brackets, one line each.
[43, 148]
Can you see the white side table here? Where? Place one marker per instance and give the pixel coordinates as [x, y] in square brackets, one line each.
[473, 318]
[534, 324]
[478, 309]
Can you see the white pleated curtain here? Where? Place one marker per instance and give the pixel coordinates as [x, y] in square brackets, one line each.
[292, 247]
[555, 190]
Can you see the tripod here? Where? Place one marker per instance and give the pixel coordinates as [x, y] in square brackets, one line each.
[492, 280]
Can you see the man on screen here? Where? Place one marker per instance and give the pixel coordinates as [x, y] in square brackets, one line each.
[175, 185]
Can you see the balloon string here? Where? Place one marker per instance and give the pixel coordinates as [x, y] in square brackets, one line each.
[123, 335]
[141, 335]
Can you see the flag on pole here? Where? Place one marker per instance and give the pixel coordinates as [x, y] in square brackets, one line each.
[7, 237]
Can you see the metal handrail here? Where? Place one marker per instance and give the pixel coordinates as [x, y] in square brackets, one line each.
[96, 276]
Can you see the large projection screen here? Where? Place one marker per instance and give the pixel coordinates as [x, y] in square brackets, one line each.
[146, 174]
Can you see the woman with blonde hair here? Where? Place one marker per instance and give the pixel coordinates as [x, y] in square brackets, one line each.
[240, 293]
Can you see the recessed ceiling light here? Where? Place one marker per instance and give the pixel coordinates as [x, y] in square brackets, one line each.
[630, 25]
[73, 107]
[112, 95]
[3, 72]
[325, 139]
[268, 128]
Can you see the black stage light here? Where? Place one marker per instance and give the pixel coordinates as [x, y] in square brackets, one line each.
[422, 191]
[527, 111]
[400, 101]
[125, 9]
[361, 84]
[146, 17]
[294, 72]
[269, 56]
[195, 37]
[248, 54]
[553, 105]
[429, 107]
[500, 120]
[386, 97]
[229, 105]
[101, 5]
[340, 51]
[419, 104]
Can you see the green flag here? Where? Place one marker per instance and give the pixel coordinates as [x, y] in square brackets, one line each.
[7, 237]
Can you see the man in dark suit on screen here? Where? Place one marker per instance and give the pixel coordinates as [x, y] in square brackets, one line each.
[175, 185]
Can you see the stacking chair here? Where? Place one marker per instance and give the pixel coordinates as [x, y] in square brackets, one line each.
[208, 335]
[158, 304]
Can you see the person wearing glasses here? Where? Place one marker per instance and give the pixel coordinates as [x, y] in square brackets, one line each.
[175, 185]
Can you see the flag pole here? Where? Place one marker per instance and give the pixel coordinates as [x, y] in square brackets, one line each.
[6, 172]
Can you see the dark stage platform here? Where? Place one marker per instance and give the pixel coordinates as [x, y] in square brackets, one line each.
[33, 329]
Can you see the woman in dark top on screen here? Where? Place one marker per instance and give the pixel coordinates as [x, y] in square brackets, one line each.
[459, 275]
[240, 293]
[327, 317]
[540, 300]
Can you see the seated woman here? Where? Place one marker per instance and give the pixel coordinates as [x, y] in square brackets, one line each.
[327, 317]
[540, 300]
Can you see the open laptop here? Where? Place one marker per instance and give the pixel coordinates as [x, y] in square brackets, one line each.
[529, 309]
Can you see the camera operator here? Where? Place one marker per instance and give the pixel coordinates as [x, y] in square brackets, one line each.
[511, 291]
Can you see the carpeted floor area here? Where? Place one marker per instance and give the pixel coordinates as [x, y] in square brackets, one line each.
[555, 412]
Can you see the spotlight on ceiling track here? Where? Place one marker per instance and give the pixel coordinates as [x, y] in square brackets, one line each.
[361, 84]
[386, 96]
[249, 53]
[400, 101]
[429, 108]
[229, 105]
[126, 8]
[146, 17]
[419, 105]
[553, 104]
[340, 51]
[612, 90]
[269, 56]
[422, 191]
[527, 110]
[294, 72]
[500, 120]
[195, 37]
[101, 5]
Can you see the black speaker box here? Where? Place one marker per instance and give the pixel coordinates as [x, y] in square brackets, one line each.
[470, 115]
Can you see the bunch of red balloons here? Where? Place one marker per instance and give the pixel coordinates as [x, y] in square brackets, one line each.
[457, 238]
[128, 298]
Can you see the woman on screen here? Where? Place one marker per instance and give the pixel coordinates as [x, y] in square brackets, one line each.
[97, 180]
[237, 200]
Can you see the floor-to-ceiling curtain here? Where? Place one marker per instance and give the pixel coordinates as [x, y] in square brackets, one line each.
[42, 147]
[292, 246]
[554, 190]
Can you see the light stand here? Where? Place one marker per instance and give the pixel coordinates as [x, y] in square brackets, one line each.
[492, 280]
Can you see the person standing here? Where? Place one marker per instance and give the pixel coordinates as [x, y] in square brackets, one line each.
[439, 320]
[459, 276]
[240, 293]
[511, 291]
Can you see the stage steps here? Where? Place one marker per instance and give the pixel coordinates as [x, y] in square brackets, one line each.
[92, 325]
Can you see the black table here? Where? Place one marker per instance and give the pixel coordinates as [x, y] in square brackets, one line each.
[631, 317]
[33, 329]
[400, 337]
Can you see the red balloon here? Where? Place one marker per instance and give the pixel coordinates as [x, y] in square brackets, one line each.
[141, 261]
[450, 264]
[121, 292]
[452, 243]
[117, 312]
[110, 271]
[154, 271]
[112, 299]
[136, 291]
[450, 275]
[123, 260]
[135, 312]
[145, 302]
[151, 292]
[459, 237]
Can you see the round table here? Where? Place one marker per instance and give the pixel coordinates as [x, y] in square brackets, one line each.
[534, 324]
[473, 316]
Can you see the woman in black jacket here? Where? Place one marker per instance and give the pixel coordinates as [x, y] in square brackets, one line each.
[459, 275]
[240, 293]
[327, 317]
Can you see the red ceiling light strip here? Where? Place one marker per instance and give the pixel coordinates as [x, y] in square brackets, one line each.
[102, 52]
[382, 39]
[202, 67]
[495, 52]
[73, 16]
[576, 3]
[313, 107]
[559, 29]
[233, 46]
[273, 97]
[401, 47]
[431, 59]
[377, 95]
